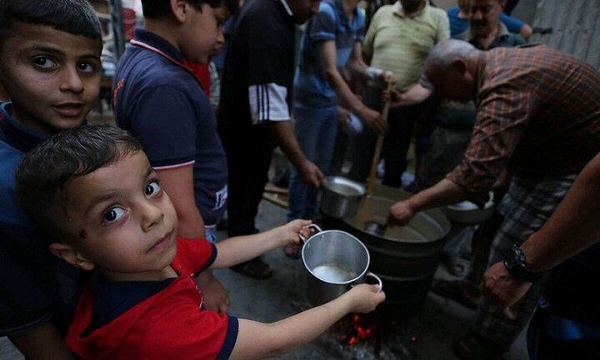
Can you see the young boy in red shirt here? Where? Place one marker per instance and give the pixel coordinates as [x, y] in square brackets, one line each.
[94, 189]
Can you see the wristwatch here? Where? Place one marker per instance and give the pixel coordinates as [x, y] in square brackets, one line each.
[514, 262]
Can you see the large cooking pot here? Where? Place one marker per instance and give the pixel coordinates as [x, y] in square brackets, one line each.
[404, 257]
[341, 197]
[336, 260]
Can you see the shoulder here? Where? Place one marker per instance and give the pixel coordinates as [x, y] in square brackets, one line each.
[437, 13]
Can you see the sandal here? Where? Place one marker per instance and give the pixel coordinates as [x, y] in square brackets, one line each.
[475, 347]
[453, 290]
[255, 268]
[292, 251]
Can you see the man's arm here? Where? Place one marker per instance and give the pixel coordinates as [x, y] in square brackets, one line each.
[309, 172]
[349, 100]
[572, 228]
[443, 193]
[179, 185]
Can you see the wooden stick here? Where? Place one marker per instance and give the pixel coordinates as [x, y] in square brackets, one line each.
[378, 146]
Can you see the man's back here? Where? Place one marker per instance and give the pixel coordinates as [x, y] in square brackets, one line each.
[558, 101]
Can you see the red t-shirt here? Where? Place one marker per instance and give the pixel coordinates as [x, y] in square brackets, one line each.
[167, 325]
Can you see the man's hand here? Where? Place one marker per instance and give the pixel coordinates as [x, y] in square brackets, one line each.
[214, 295]
[503, 289]
[310, 174]
[373, 119]
[400, 213]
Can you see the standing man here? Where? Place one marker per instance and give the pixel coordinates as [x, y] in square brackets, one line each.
[398, 39]
[254, 109]
[332, 41]
[538, 117]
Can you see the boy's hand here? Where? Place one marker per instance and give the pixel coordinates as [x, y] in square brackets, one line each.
[294, 228]
[214, 295]
[364, 298]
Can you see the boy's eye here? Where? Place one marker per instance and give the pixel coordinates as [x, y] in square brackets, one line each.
[44, 62]
[152, 188]
[87, 67]
[112, 215]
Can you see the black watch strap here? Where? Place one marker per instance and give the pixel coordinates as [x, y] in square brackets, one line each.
[515, 264]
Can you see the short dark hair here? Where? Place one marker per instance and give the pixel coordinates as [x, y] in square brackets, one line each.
[43, 176]
[155, 9]
[76, 17]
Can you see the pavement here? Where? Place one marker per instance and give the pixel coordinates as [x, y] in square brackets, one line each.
[428, 334]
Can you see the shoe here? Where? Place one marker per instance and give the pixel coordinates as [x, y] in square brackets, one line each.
[255, 268]
[455, 290]
[292, 251]
[475, 347]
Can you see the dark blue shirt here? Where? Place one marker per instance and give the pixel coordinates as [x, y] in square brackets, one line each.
[29, 286]
[162, 104]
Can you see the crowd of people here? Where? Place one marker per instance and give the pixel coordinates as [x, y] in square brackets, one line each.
[108, 233]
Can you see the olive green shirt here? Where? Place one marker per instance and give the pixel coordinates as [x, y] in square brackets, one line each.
[400, 43]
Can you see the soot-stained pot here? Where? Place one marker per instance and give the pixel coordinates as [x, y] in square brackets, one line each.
[406, 257]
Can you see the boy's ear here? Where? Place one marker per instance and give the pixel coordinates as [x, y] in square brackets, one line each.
[70, 255]
[180, 9]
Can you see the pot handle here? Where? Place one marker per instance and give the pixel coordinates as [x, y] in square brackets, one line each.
[314, 226]
[379, 282]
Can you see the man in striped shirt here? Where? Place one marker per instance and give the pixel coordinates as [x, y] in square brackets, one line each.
[538, 118]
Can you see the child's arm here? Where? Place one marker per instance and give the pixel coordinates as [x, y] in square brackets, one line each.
[242, 248]
[258, 340]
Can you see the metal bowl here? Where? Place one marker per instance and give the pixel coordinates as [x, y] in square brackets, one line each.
[468, 213]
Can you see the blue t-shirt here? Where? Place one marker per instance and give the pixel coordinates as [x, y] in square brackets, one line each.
[29, 287]
[163, 105]
[330, 23]
[459, 26]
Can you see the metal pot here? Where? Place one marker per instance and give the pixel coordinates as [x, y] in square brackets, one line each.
[404, 257]
[336, 260]
[341, 197]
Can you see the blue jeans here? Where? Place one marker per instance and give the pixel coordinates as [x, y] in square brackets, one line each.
[316, 131]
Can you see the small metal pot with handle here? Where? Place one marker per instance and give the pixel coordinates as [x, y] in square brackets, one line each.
[341, 197]
[336, 260]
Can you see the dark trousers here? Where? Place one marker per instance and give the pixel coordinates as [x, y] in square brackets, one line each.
[248, 158]
[401, 126]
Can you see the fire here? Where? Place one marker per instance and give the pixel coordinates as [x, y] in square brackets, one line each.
[362, 332]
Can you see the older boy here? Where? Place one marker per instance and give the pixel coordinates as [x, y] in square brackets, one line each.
[159, 100]
[49, 67]
[142, 301]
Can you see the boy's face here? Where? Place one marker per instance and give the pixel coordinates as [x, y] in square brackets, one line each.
[203, 35]
[51, 76]
[124, 223]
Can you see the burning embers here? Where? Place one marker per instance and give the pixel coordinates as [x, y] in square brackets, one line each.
[374, 336]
